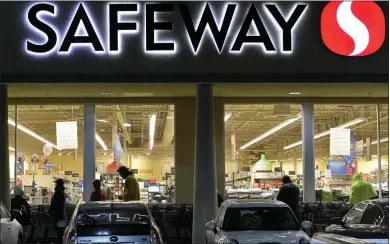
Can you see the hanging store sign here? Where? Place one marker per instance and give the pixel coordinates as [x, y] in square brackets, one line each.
[228, 34]
[340, 141]
[359, 148]
[68, 172]
[67, 135]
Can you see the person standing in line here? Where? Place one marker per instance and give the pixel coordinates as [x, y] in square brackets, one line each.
[97, 194]
[57, 209]
[20, 204]
[131, 188]
[289, 194]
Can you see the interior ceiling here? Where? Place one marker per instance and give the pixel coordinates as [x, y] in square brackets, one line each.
[179, 90]
[246, 122]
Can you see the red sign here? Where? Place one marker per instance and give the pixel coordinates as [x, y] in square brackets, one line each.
[353, 28]
[152, 182]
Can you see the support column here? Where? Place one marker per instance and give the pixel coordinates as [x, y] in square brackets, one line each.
[219, 122]
[184, 150]
[4, 153]
[205, 182]
[89, 149]
[378, 125]
[309, 194]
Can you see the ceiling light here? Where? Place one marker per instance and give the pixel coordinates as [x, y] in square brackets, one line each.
[11, 149]
[102, 120]
[59, 154]
[32, 133]
[126, 124]
[101, 142]
[294, 93]
[152, 130]
[169, 117]
[382, 140]
[107, 93]
[227, 116]
[270, 132]
[326, 133]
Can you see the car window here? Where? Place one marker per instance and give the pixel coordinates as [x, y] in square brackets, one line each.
[116, 215]
[355, 215]
[372, 215]
[3, 213]
[259, 218]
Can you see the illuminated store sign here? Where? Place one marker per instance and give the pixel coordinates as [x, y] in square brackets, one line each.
[229, 33]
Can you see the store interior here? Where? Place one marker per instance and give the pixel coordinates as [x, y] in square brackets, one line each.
[262, 143]
[144, 133]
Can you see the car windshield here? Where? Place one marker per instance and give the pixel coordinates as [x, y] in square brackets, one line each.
[259, 218]
[107, 214]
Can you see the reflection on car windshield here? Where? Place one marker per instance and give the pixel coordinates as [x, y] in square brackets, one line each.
[112, 215]
[268, 219]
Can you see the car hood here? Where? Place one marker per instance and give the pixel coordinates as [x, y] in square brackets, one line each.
[255, 237]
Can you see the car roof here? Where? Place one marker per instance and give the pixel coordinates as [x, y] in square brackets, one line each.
[113, 204]
[262, 203]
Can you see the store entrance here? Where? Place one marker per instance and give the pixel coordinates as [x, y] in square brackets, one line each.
[49, 143]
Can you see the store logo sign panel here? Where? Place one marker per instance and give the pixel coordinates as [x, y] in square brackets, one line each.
[226, 32]
[353, 28]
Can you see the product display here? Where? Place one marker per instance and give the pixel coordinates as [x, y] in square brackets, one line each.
[115, 182]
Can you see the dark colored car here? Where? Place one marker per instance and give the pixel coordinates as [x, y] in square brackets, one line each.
[112, 222]
[369, 221]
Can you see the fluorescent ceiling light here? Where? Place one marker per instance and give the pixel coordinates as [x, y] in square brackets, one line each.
[102, 120]
[270, 132]
[326, 133]
[11, 149]
[294, 93]
[227, 116]
[382, 140]
[152, 130]
[32, 133]
[126, 124]
[101, 142]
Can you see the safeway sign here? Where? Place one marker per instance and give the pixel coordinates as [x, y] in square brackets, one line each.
[229, 32]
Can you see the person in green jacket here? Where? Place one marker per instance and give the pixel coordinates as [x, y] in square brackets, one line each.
[361, 190]
[131, 188]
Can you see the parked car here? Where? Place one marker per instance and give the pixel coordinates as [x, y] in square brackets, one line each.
[112, 222]
[256, 221]
[11, 231]
[369, 220]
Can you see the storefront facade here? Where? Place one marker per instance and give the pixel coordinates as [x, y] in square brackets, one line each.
[282, 43]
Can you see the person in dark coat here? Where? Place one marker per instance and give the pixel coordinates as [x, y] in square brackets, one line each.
[20, 204]
[97, 194]
[57, 209]
[289, 194]
[220, 199]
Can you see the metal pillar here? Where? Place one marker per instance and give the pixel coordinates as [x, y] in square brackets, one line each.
[4, 153]
[378, 118]
[16, 144]
[89, 149]
[205, 183]
[308, 158]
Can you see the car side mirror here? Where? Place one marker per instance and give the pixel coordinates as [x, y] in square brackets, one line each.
[307, 227]
[15, 214]
[211, 226]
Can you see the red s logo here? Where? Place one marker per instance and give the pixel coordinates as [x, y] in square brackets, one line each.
[353, 28]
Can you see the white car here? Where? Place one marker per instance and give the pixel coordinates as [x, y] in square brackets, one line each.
[256, 221]
[11, 231]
